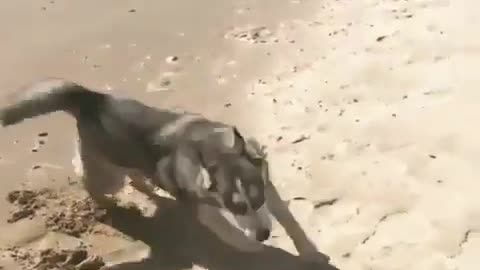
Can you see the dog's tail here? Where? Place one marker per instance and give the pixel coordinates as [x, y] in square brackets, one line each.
[48, 96]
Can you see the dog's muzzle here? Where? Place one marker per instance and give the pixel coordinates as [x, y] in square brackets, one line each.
[257, 225]
[258, 235]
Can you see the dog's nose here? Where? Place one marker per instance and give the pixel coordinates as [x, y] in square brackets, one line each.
[263, 235]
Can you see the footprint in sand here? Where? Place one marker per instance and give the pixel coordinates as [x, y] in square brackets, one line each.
[45, 7]
[86, 59]
[162, 83]
[105, 46]
[40, 142]
[253, 35]
[401, 13]
[142, 65]
[242, 10]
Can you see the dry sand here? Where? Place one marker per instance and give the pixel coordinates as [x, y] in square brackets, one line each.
[367, 108]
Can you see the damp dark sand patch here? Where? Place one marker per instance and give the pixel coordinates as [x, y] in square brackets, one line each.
[62, 213]
[27, 203]
[76, 218]
[49, 259]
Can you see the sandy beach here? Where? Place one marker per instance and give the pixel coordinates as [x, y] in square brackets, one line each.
[367, 110]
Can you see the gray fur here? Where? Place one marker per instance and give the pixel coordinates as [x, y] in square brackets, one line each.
[123, 137]
[177, 152]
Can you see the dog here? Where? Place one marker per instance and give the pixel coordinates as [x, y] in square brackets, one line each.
[184, 154]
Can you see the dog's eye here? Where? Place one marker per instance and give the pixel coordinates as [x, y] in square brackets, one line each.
[236, 204]
[237, 198]
[213, 188]
[239, 203]
[253, 191]
[241, 208]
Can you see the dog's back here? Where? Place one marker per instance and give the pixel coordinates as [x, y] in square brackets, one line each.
[52, 95]
[120, 129]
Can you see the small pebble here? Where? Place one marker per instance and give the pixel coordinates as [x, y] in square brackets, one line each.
[165, 82]
[171, 59]
[381, 38]
[301, 139]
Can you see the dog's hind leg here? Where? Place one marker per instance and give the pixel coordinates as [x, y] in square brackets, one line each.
[100, 178]
[99, 191]
[139, 182]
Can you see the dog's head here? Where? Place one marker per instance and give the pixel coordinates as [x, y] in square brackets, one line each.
[235, 167]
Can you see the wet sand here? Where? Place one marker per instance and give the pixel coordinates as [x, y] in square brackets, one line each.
[367, 110]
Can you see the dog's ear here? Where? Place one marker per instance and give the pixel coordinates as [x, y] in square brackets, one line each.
[258, 156]
[256, 153]
[249, 146]
[190, 174]
[204, 181]
[231, 138]
[254, 150]
[225, 139]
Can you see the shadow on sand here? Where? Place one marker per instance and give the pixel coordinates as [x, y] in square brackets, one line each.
[182, 235]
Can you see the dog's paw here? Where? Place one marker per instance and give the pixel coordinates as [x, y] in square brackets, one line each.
[6, 119]
[309, 253]
[2, 118]
[315, 258]
[92, 262]
[255, 149]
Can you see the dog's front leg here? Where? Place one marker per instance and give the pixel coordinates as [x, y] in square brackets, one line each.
[280, 211]
[190, 175]
[178, 174]
[100, 179]
[277, 206]
[305, 247]
[164, 179]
